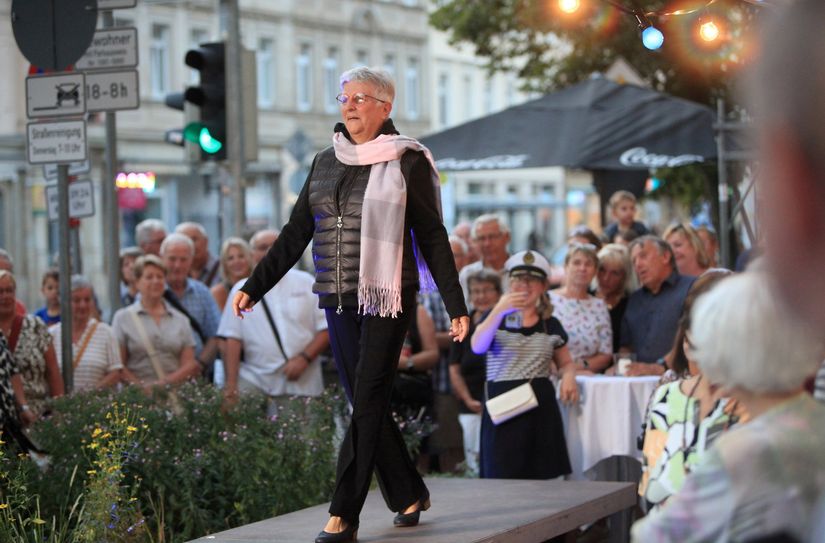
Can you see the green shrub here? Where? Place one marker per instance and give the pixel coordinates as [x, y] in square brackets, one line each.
[198, 472]
[123, 467]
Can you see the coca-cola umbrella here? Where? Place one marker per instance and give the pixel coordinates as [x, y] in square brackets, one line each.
[597, 124]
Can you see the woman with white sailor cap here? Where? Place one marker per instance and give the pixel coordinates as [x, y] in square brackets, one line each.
[522, 437]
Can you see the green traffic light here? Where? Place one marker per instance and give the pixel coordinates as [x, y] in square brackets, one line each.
[208, 143]
[197, 133]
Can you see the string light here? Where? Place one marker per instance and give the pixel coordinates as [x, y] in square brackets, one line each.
[708, 30]
[569, 6]
[652, 37]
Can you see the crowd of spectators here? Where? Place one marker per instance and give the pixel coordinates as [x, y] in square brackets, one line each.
[733, 436]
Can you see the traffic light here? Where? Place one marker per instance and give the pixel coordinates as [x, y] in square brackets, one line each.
[210, 96]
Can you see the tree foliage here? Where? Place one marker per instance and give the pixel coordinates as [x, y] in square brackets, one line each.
[551, 50]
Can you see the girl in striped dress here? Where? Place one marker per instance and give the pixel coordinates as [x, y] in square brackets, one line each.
[521, 339]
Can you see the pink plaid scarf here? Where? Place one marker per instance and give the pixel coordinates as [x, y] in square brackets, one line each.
[382, 220]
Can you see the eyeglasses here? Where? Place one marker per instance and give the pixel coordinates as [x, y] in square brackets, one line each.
[481, 291]
[488, 237]
[359, 98]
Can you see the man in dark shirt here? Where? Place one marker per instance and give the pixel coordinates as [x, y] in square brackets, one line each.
[650, 321]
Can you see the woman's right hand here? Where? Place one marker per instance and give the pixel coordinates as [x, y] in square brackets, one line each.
[473, 405]
[241, 304]
[510, 302]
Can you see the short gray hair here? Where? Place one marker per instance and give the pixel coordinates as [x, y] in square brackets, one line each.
[80, 281]
[661, 245]
[191, 224]
[488, 218]
[4, 255]
[377, 77]
[176, 238]
[742, 337]
[461, 243]
[145, 228]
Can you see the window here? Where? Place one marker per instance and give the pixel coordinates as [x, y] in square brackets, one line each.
[362, 58]
[468, 97]
[411, 91]
[197, 36]
[159, 61]
[266, 72]
[488, 96]
[331, 80]
[389, 64]
[511, 90]
[303, 78]
[444, 99]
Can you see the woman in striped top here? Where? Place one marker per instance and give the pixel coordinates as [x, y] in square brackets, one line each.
[95, 351]
[521, 339]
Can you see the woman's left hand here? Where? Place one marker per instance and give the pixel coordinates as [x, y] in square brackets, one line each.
[568, 389]
[459, 327]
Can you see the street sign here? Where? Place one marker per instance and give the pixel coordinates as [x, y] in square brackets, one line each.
[56, 142]
[56, 95]
[111, 49]
[53, 34]
[112, 91]
[75, 168]
[81, 200]
[115, 4]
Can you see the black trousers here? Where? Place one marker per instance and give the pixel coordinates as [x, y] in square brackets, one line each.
[366, 350]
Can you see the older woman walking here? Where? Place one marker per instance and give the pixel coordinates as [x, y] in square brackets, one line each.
[764, 477]
[371, 208]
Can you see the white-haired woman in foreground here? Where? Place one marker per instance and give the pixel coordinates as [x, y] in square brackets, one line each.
[764, 477]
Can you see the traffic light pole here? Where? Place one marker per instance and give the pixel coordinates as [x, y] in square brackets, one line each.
[236, 162]
[111, 214]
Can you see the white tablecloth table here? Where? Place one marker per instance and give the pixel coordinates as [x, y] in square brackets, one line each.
[607, 420]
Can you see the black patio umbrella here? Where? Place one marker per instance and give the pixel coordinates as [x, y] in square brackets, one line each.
[596, 125]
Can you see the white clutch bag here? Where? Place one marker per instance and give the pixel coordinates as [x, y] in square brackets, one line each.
[512, 403]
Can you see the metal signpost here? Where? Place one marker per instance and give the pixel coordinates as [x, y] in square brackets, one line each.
[53, 35]
[75, 168]
[55, 94]
[111, 85]
[111, 49]
[81, 200]
[110, 91]
[58, 142]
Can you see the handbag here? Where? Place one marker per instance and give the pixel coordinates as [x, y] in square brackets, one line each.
[512, 403]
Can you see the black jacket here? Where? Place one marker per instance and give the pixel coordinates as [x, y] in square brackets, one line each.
[334, 189]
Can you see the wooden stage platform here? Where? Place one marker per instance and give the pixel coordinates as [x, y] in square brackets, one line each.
[463, 511]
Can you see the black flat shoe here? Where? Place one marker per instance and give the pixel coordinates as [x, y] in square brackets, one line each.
[348, 534]
[408, 520]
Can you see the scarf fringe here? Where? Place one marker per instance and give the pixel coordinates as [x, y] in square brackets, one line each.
[382, 299]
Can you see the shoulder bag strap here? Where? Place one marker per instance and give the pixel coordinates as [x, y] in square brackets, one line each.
[16, 326]
[79, 354]
[211, 275]
[170, 297]
[150, 350]
[274, 328]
